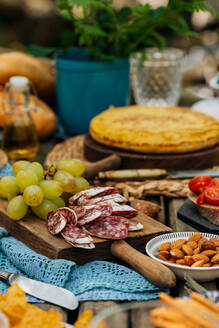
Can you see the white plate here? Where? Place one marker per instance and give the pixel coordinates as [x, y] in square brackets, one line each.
[208, 106]
[199, 274]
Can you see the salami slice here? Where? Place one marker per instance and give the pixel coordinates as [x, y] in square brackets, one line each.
[69, 214]
[85, 246]
[124, 210]
[108, 227]
[81, 197]
[94, 212]
[79, 210]
[115, 198]
[56, 222]
[75, 235]
[135, 225]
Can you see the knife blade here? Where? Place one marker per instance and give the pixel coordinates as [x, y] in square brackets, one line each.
[140, 174]
[47, 292]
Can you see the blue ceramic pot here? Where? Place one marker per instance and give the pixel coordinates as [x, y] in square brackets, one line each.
[85, 88]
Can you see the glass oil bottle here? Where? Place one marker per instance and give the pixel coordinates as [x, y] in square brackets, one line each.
[19, 133]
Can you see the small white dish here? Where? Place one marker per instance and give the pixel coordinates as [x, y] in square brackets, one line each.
[199, 273]
[208, 106]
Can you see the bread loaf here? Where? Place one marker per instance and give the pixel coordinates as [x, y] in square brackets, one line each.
[40, 74]
[44, 118]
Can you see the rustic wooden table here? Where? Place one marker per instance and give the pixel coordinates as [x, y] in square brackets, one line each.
[167, 216]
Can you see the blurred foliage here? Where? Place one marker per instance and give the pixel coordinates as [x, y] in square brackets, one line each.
[109, 33]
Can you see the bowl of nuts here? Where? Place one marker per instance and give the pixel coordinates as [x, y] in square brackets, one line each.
[194, 253]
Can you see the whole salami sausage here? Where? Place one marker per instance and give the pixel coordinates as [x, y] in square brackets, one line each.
[108, 227]
[55, 222]
[75, 235]
[81, 197]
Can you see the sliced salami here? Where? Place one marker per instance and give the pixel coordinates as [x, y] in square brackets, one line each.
[69, 214]
[56, 222]
[81, 197]
[124, 210]
[75, 235]
[135, 225]
[94, 212]
[79, 210]
[115, 198]
[108, 227]
[85, 246]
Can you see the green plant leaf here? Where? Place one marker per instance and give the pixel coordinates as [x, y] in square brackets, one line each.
[39, 51]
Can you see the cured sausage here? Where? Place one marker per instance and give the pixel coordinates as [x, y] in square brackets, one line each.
[94, 212]
[115, 198]
[56, 222]
[124, 210]
[109, 227]
[135, 225]
[75, 235]
[79, 210]
[85, 246]
[81, 197]
[69, 214]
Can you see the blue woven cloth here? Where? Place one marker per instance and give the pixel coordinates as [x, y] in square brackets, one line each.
[98, 280]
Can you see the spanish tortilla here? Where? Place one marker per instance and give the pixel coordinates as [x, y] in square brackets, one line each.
[155, 129]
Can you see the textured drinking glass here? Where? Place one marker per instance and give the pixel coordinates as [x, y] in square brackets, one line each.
[156, 77]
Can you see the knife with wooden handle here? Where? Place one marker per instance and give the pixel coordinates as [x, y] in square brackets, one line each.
[155, 272]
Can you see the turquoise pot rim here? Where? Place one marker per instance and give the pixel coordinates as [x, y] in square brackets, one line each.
[64, 61]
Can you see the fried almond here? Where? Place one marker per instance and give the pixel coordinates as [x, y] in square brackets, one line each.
[208, 252]
[187, 250]
[215, 265]
[193, 244]
[207, 265]
[178, 243]
[196, 251]
[200, 257]
[159, 256]
[215, 259]
[188, 260]
[165, 254]
[181, 262]
[164, 247]
[198, 264]
[208, 245]
[215, 240]
[172, 260]
[177, 253]
[195, 237]
[217, 249]
[201, 241]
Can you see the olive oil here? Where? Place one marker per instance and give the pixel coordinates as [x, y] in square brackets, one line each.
[19, 134]
[20, 140]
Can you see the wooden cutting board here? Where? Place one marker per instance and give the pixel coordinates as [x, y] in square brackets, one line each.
[32, 231]
[94, 151]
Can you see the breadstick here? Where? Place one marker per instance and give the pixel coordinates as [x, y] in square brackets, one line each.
[201, 299]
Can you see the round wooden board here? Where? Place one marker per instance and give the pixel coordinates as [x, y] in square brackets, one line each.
[207, 158]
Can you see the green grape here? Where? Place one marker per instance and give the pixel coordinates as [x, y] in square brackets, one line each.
[8, 186]
[17, 208]
[58, 202]
[26, 178]
[42, 210]
[66, 196]
[73, 166]
[66, 179]
[80, 184]
[33, 195]
[37, 169]
[51, 189]
[20, 165]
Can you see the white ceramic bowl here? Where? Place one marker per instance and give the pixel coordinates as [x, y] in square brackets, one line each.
[198, 274]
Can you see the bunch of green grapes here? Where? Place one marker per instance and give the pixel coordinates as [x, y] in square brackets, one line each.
[41, 190]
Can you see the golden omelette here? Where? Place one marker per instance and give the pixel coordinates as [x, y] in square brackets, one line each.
[155, 129]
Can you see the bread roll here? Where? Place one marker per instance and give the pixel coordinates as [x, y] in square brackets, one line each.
[44, 118]
[18, 63]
